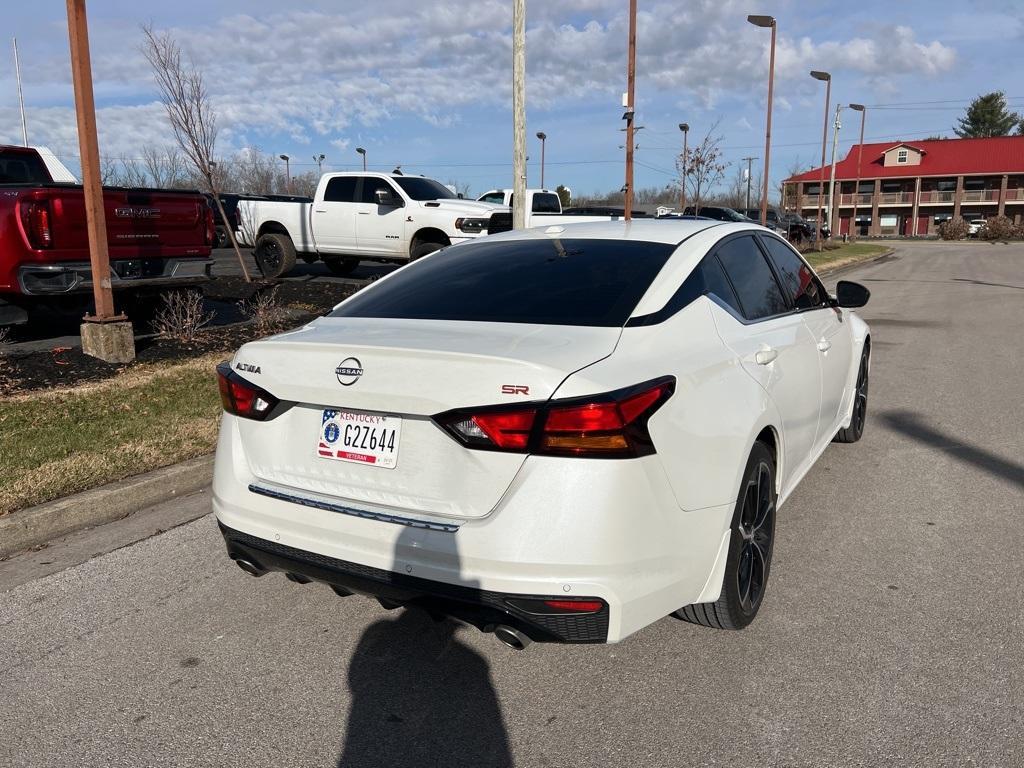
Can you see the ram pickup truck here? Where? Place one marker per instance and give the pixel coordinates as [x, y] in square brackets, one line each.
[158, 239]
[544, 208]
[385, 217]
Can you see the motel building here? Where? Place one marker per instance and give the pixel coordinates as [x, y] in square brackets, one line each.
[909, 188]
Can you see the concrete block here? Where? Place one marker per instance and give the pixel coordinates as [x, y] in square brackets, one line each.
[110, 342]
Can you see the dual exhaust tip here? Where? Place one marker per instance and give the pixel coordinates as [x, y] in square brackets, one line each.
[506, 635]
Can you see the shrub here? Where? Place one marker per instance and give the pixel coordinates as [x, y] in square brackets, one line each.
[999, 228]
[953, 229]
[264, 311]
[181, 316]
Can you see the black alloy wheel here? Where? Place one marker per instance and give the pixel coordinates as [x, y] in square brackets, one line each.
[859, 418]
[750, 550]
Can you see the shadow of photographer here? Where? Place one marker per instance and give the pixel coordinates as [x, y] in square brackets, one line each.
[421, 697]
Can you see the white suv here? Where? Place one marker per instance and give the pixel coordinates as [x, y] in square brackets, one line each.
[557, 435]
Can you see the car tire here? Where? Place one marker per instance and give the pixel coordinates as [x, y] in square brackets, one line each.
[421, 249]
[858, 419]
[275, 255]
[221, 239]
[750, 550]
[343, 266]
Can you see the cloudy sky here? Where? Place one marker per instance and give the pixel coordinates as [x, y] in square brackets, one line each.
[427, 83]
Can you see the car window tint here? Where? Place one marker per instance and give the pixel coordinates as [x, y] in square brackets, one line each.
[716, 284]
[798, 280]
[341, 189]
[752, 278]
[545, 202]
[370, 187]
[537, 280]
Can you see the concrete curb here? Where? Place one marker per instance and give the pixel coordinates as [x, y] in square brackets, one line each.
[33, 526]
[831, 270]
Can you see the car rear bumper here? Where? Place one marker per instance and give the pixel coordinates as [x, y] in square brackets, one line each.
[484, 609]
[69, 278]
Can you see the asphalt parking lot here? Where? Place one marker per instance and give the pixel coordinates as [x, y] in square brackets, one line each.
[892, 632]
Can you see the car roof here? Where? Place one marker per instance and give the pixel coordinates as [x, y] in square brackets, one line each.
[651, 230]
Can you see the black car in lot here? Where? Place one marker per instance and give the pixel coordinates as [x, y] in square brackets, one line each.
[719, 212]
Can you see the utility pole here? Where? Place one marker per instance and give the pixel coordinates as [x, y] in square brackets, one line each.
[827, 79]
[860, 156]
[21, 96]
[630, 110]
[685, 128]
[832, 180]
[749, 177]
[105, 335]
[519, 114]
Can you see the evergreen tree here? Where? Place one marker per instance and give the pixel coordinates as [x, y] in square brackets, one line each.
[987, 116]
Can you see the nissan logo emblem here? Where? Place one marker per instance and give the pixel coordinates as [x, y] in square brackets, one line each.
[349, 371]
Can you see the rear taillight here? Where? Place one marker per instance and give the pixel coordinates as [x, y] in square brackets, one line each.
[211, 228]
[611, 425]
[35, 218]
[242, 398]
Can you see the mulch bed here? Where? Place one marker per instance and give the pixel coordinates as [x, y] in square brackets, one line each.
[67, 366]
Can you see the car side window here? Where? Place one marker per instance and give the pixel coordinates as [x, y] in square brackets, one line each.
[370, 187]
[493, 197]
[546, 203]
[751, 277]
[341, 189]
[717, 284]
[799, 282]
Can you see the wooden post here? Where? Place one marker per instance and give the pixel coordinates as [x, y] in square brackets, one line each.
[519, 114]
[85, 109]
[631, 110]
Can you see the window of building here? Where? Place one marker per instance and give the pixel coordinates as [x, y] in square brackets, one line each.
[901, 155]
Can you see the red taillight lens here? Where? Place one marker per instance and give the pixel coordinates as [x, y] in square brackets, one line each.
[241, 398]
[211, 228]
[35, 217]
[575, 606]
[613, 425]
[554, 607]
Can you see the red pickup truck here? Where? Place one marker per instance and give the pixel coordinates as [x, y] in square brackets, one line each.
[157, 238]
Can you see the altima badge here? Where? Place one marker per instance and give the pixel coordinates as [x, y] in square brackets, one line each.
[349, 371]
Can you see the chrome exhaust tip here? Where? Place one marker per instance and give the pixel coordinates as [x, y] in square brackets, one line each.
[249, 567]
[511, 637]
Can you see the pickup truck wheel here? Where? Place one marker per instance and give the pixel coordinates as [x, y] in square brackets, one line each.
[221, 239]
[419, 250]
[275, 255]
[343, 266]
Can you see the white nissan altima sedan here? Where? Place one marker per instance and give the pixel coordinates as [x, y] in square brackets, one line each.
[559, 435]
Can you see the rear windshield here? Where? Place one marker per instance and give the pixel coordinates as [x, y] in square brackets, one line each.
[23, 168]
[545, 281]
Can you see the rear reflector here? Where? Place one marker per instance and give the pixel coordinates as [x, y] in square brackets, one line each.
[241, 398]
[610, 425]
[542, 607]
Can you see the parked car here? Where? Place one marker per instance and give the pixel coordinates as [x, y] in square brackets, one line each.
[384, 217]
[718, 212]
[158, 239]
[772, 218]
[601, 210]
[553, 437]
[230, 202]
[545, 208]
[974, 227]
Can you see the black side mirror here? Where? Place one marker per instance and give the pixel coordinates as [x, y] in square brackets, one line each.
[386, 197]
[851, 295]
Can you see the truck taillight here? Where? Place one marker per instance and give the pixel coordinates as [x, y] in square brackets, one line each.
[611, 425]
[211, 229]
[35, 218]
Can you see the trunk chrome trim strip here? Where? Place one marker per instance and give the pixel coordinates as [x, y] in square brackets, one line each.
[327, 506]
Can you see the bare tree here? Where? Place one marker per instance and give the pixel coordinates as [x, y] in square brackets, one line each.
[190, 112]
[132, 173]
[165, 167]
[108, 171]
[703, 166]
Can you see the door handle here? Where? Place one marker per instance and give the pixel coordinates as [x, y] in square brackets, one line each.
[363, 213]
[765, 356]
[824, 345]
[319, 210]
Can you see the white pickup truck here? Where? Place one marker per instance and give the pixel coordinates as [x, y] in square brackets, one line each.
[383, 217]
[544, 208]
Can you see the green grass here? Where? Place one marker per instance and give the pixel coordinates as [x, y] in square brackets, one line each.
[56, 443]
[845, 254]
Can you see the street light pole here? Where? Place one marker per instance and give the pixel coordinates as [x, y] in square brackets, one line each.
[287, 171]
[749, 177]
[543, 138]
[319, 160]
[832, 209]
[827, 78]
[630, 110]
[860, 154]
[362, 152]
[21, 96]
[766, 21]
[685, 128]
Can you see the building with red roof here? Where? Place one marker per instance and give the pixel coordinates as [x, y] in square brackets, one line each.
[909, 188]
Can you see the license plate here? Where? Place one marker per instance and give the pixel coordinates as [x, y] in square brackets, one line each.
[362, 438]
